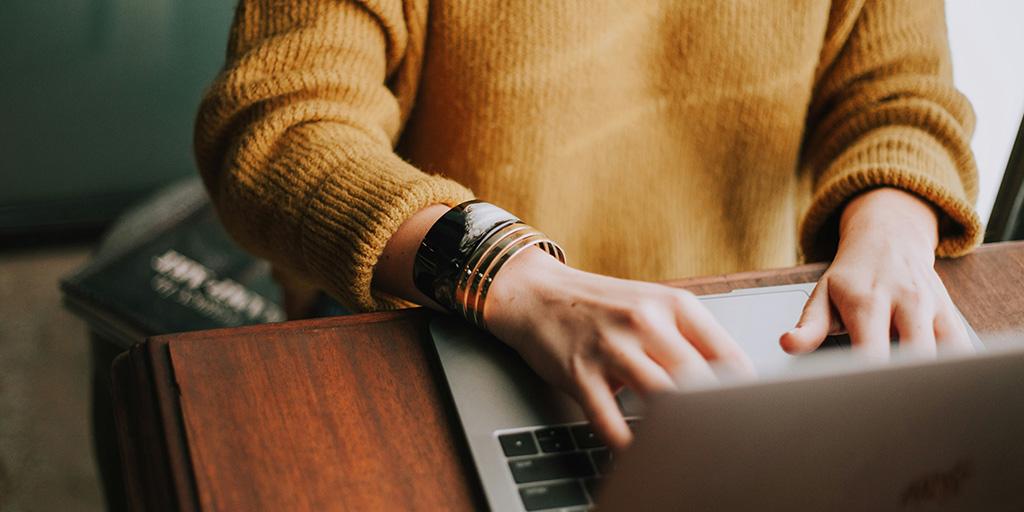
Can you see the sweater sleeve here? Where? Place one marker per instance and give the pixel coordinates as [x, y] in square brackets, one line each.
[885, 113]
[294, 139]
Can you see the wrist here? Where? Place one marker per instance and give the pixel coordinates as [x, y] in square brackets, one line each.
[520, 282]
[891, 214]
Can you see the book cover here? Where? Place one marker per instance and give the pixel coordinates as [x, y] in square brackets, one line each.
[169, 266]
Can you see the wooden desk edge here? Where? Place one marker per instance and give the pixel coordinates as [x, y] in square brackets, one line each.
[151, 439]
[701, 284]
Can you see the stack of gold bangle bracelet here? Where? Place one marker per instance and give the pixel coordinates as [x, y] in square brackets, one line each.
[484, 263]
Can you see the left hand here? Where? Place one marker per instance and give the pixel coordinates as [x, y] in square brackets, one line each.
[882, 284]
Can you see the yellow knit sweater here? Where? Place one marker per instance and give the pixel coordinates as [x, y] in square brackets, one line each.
[653, 139]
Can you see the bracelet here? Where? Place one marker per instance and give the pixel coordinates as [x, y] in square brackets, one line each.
[471, 274]
[505, 244]
[463, 252]
[449, 244]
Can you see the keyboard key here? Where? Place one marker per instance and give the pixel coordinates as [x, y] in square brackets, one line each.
[633, 424]
[551, 467]
[518, 444]
[592, 485]
[554, 439]
[603, 460]
[586, 437]
[563, 494]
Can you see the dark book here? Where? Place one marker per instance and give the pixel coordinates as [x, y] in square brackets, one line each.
[169, 266]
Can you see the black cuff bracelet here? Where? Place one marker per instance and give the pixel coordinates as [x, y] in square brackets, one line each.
[465, 249]
[449, 244]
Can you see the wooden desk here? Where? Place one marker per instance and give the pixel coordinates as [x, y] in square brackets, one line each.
[352, 413]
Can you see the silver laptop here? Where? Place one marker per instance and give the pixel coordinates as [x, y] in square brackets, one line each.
[534, 450]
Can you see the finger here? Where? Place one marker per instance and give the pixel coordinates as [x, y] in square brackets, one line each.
[693, 370]
[868, 322]
[638, 371]
[678, 356]
[915, 327]
[950, 332]
[814, 323]
[712, 342]
[599, 405]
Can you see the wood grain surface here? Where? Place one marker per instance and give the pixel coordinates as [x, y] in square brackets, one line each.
[351, 413]
[340, 417]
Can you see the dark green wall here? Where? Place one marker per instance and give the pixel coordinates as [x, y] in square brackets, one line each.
[97, 101]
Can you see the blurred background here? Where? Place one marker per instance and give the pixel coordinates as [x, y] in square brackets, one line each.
[98, 99]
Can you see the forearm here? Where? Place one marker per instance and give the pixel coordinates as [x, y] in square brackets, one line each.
[302, 176]
[393, 272]
[886, 114]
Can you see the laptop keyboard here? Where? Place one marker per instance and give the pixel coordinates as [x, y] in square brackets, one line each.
[557, 467]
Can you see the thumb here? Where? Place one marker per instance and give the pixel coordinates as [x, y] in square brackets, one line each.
[814, 324]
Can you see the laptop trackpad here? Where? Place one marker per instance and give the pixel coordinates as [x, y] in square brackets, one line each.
[755, 320]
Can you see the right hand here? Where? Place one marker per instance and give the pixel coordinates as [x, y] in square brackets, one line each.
[590, 334]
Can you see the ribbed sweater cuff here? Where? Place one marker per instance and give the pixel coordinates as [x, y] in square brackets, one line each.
[352, 216]
[900, 157]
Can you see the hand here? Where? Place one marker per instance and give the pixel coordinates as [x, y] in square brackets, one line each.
[882, 283]
[589, 334]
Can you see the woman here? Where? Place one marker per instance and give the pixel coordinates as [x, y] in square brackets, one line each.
[651, 140]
